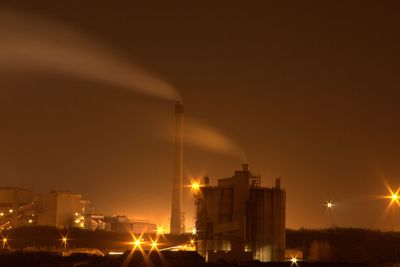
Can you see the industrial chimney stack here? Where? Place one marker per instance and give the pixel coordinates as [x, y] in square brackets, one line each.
[176, 211]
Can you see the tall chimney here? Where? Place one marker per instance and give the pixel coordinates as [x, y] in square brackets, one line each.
[176, 211]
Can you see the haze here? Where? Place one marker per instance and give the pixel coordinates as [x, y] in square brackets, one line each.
[309, 100]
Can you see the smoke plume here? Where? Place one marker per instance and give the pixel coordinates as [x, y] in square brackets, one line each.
[208, 138]
[32, 43]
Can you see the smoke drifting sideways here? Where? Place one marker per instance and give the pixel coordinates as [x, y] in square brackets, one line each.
[31, 43]
[202, 136]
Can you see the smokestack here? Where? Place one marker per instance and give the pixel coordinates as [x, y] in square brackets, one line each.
[176, 211]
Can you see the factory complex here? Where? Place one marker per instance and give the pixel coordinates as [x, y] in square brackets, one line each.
[236, 220]
[61, 209]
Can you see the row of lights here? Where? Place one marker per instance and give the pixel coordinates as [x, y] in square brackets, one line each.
[64, 241]
[9, 211]
[79, 220]
[139, 241]
[195, 186]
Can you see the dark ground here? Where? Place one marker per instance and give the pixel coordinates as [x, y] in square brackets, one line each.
[167, 259]
[353, 246]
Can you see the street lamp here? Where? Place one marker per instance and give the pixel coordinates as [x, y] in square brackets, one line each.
[196, 189]
[330, 205]
[64, 240]
[294, 261]
[394, 198]
[154, 244]
[5, 242]
[195, 186]
[160, 230]
[194, 231]
[137, 242]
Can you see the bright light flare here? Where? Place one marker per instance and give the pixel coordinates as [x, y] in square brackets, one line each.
[64, 240]
[194, 231]
[137, 242]
[195, 186]
[329, 205]
[160, 230]
[5, 242]
[113, 253]
[394, 196]
[154, 244]
[294, 261]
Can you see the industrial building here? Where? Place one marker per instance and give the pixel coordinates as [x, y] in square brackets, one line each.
[16, 207]
[61, 209]
[239, 220]
[13, 198]
[123, 224]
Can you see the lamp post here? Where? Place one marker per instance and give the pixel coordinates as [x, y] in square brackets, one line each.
[330, 206]
[5, 242]
[196, 189]
[394, 198]
[64, 241]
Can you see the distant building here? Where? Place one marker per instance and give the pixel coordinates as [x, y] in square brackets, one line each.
[61, 209]
[94, 222]
[239, 220]
[14, 197]
[117, 223]
[143, 226]
[123, 224]
[16, 207]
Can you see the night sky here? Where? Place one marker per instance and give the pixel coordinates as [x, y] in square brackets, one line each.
[309, 90]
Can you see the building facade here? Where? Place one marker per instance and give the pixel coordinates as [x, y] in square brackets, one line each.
[240, 220]
[61, 209]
